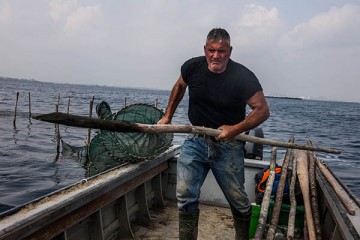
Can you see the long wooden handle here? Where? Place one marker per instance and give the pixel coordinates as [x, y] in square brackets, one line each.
[339, 190]
[303, 176]
[124, 126]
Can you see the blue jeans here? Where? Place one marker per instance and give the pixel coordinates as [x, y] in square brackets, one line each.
[225, 159]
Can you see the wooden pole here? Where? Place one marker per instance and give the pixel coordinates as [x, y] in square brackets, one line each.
[90, 116]
[15, 111]
[156, 103]
[313, 192]
[68, 106]
[339, 190]
[279, 195]
[302, 172]
[124, 126]
[260, 229]
[29, 105]
[57, 104]
[57, 130]
[88, 140]
[293, 204]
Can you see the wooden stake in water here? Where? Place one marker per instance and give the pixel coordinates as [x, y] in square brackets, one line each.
[156, 103]
[57, 128]
[16, 104]
[90, 115]
[68, 106]
[125, 104]
[57, 104]
[29, 105]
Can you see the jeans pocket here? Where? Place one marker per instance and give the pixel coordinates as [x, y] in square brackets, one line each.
[234, 144]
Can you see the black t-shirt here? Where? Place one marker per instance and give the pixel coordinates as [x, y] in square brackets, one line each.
[217, 99]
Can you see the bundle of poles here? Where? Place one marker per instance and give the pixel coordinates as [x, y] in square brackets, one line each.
[302, 164]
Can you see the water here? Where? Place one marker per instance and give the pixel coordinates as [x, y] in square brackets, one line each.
[31, 166]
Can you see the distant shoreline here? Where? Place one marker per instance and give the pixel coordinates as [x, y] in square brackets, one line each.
[156, 89]
[292, 98]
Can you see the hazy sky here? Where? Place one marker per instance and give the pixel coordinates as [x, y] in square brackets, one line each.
[307, 48]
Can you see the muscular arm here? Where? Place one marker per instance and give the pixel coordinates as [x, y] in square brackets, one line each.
[260, 112]
[177, 93]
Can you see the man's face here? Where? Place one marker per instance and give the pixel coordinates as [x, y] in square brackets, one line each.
[217, 55]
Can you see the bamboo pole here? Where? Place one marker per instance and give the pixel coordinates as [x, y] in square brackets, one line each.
[313, 193]
[302, 172]
[279, 195]
[124, 126]
[260, 230]
[293, 204]
[339, 190]
[15, 111]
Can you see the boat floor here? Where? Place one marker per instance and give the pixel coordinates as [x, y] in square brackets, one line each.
[214, 223]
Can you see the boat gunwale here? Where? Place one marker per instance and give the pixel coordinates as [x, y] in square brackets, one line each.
[96, 189]
[337, 209]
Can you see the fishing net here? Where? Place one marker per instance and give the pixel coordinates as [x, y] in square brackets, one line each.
[103, 110]
[108, 149]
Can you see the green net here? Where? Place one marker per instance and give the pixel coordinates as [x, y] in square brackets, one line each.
[108, 149]
[103, 110]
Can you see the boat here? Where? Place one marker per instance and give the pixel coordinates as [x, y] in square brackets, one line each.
[118, 203]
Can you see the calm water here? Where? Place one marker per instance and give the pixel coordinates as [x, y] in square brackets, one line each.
[31, 167]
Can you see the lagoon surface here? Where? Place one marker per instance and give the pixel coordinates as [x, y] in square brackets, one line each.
[31, 165]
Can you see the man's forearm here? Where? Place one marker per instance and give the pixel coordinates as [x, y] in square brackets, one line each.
[177, 93]
[254, 119]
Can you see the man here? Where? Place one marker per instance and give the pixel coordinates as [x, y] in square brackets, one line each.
[219, 90]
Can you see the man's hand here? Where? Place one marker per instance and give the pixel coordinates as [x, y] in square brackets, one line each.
[227, 133]
[164, 120]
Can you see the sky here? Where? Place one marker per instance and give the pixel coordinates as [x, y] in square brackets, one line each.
[308, 48]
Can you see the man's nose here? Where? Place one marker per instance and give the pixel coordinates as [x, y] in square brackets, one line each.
[216, 54]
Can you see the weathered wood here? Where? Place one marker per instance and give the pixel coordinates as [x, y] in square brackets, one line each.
[339, 190]
[302, 172]
[57, 131]
[260, 230]
[313, 193]
[29, 104]
[88, 140]
[68, 106]
[57, 104]
[123, 126]
[16, 104]
[293, 203]
[279, 195]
